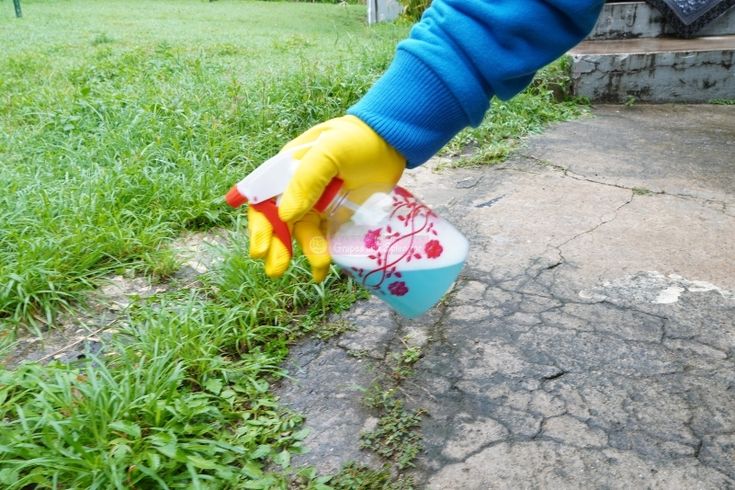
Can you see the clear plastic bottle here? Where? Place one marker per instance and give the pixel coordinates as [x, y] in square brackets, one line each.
[394, 245]
[389, 241]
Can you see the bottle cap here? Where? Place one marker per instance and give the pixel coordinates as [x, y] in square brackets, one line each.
[375, 209]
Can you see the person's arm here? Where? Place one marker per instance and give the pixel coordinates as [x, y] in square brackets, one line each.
[457, 57]
[460, 55]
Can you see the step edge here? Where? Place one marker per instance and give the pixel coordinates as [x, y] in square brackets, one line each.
[649, 46]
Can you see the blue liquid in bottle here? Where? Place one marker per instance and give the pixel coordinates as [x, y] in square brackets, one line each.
[424, 288]
[397, 248]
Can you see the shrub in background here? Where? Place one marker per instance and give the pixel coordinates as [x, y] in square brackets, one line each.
[412, 9]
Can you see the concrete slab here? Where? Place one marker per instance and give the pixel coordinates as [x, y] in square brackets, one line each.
[674, 149]
[626, 20]
[590, 342]
[655, 70]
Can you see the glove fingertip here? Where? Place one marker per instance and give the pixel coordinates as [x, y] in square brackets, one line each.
[274, 271]
[257, 252]
[277, 260]
[319, 273]
[259, 233]
[320, 262]
[290, 209]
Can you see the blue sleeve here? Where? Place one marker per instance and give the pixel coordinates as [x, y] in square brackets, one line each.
[460, 55]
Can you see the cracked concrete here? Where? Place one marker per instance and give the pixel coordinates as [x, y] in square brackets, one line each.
[590, 341]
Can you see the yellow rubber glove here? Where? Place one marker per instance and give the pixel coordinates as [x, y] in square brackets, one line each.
[344, 147]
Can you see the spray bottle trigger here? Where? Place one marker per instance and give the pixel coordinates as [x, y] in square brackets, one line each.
[330, 192]
[269, 209]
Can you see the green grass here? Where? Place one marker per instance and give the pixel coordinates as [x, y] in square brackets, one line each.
[546, 101]
[122, 123]
[111, 145]
[181, 400]
[722, 101]
[249, 37]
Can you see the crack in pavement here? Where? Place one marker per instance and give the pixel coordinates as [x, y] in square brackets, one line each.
[566, 172]
[603, 221]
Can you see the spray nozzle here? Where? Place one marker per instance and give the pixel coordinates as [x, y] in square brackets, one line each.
[271, 178]
[267, 182]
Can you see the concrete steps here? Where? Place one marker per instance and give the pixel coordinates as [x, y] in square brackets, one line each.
[628, 56]
[655, 70]
[629, 20]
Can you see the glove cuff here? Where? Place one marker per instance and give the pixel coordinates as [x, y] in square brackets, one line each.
[411, 109]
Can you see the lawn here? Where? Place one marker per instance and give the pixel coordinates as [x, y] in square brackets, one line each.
[121, 126]
[122, 123]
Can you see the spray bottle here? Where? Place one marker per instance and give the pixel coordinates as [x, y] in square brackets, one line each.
[386, 239]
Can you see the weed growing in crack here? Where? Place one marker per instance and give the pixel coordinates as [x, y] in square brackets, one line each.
[641, 191]
[411, 355]
[359, 353]
[359, 477]
[352, 476]
[330, 330]
[397, 437]
[401, 363]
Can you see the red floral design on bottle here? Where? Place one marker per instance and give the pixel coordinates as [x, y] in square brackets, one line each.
[397, 243]
[372, 239]
[433, 249]
[398, 288]
[403, 192]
